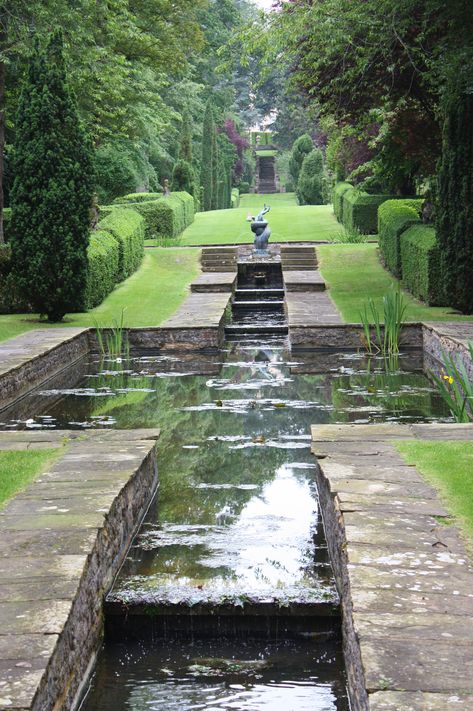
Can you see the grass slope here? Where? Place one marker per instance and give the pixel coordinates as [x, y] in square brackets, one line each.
[354, 273]
[19, 468]
[287, 220]
[149, 296]
[449, 467]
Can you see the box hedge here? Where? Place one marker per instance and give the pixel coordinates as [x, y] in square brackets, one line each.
[165, 217]
[103, 257]
[360, 211]
[138, 197]
[128, 228]
[394, 217]
[339, 190]
[420, 257]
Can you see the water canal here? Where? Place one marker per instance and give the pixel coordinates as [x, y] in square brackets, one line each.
[236, 524]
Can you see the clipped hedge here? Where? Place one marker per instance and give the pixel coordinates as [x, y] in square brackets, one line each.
[339, 190]
[103, 256]
[138, 197]
[235, 197]
[420, 256]
[166, 217]
[360, 211]
[394, 217]
[128, 228]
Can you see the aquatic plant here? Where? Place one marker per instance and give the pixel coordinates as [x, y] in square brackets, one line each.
[348, 235]
[456, 387]
[387, 337]
[115, 343]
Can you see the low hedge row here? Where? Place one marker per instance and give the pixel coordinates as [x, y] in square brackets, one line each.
[235, 198]
[394, 217]
[165, 216]
[128, 228]
[420, 258]
[360, 210]
[103, 256]
[137, 197]
[338, 192]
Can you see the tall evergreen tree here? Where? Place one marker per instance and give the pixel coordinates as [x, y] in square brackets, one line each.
[455, 210]
[301, 147]
[185, 147]
[310, 187]
[52, 191]
[206, 170]
[215, 171]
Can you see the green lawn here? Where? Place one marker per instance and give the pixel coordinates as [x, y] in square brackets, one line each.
[266, 153]
[288, 222]
[150, 295]
[19, 468]
[354, 273]
[448, 466]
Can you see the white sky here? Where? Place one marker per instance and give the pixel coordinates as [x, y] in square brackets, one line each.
[265, 4]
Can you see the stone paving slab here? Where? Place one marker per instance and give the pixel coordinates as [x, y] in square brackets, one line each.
[405, 578]
[309, 309]
[200, 311]
[214, 282]
[303, 280]
[58, 557]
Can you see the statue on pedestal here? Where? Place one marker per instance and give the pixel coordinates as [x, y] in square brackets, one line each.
[261, 230]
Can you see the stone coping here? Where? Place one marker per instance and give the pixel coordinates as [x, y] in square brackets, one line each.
[62, 541]
[214, 282]
[306, 280]
[404, 576]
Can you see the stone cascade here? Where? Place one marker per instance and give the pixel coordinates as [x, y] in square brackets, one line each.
[266, 175]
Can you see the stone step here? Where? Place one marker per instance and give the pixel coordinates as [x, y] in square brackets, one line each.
[267, 305]
[234, 329]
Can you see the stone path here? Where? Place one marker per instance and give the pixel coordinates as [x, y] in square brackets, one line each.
[303, 280]
[405, 579]
[214, 281]
[62, 541]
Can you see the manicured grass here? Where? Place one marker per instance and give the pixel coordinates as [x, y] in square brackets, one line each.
[354, 273]
[448, 466]
[288, 222]
[149, 296]
[19, 468]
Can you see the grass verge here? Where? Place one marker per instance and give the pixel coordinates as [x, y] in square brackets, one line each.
[448, 466]
[354, 274]
[19, 468]
[149, 296]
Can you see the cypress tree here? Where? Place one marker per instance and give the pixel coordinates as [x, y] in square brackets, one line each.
[183, 177]
[310, 187]
[455, 209]
[52, 191]
[301, 147]
[216, 163]
[206, 170]
[185, 148]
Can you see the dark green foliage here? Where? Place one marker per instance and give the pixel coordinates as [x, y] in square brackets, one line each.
[185, 148]
[310, 187]
[420, 257]
[128, 228]
[6, 222]
[52, 191]
[208, 138]
[183, 177]
[138, 197]
[116, 172]
[455, 211]
[216, 166]
[244, 188]
[103, 256]
[360, 211]
[339, 190]
[302, 146]
[187, 202]
[394, 217]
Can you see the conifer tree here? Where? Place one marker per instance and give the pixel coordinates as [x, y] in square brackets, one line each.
[206, 170]
[301, 147]
[52, 191]
[185, 148]
[310, 187]
[183, 175]
[455, 210]
[216, 166]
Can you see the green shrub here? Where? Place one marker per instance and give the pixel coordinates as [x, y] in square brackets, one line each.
[394, 217]
[420, 259]
[116, 172]
[138, 197]
[360, 210]
[339, 190]
[103, 257]
[128, 228]
[235, 197]
[164, 218]
[310, 187]
[301, 147]
[188, 204]
[183, 177]
[6, 223]
[244, 188]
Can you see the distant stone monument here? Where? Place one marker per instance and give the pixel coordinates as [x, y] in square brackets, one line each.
[261, 230]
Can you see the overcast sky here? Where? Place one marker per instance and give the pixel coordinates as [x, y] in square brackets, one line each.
[265, 4]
